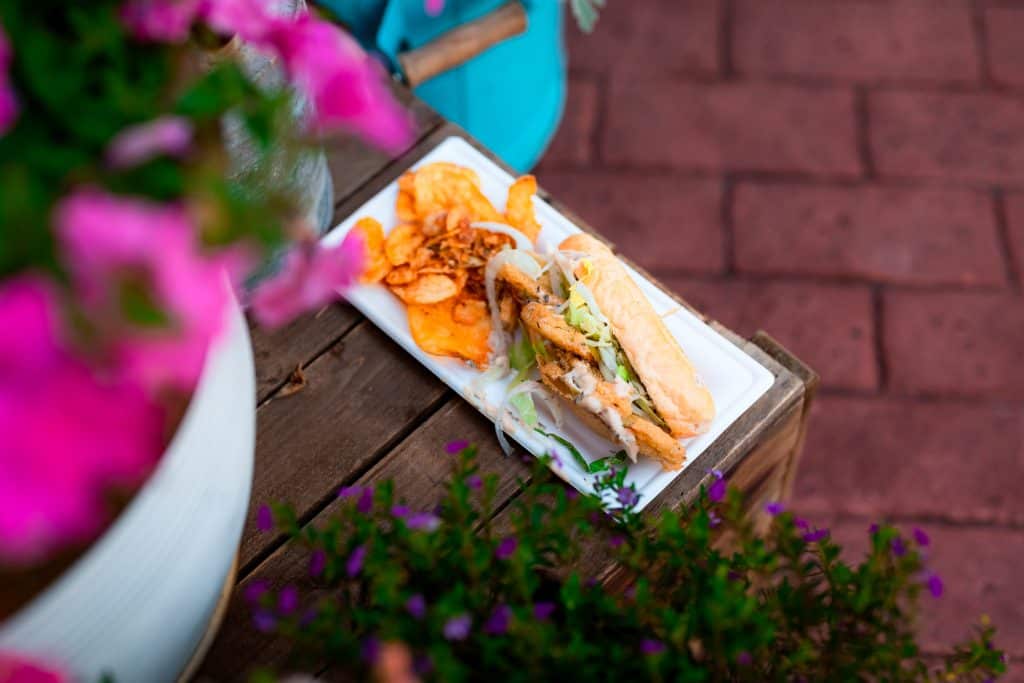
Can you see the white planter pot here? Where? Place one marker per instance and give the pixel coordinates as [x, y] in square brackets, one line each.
[138, 602]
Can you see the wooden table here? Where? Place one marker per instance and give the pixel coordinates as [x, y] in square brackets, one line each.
[370, 412]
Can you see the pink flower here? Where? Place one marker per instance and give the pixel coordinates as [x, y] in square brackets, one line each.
[8, 102]
[14, 668]
[345, 86]
[69, 436]
[433, 7]
[170, 135]
[310, 277]
[113, 243]
[160, 20]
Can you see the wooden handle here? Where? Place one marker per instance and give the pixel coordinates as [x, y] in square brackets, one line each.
[463, 43]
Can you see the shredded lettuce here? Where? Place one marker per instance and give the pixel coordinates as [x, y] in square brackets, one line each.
[522, 357]
[525, 408]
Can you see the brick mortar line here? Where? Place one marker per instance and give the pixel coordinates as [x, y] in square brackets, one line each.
[921, 399]
[980, 32]
[1005, 243]
[797, 278]
[862, 119]
[878, 346]
[932, 521]
[726, 30]
[693, 76]
[780, 177]
[596, 137]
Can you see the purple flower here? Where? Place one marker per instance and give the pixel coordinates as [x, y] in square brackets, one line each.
[816, 535]
[317, 562]
[287, 600]
[921, 538]
[801, 523]
[365, 504]
[497, 623]
[416, 606]
[264, 518]
[774, 508]
[934, 583]
[716, 473]
[457, 628]
[349, 491]
[263, 620]
[898, 548]
[744, 658]
[616, 540]
[649, 646]
[355, 561]
[873, 529]
[456, 446]
[370, 649]
[716, 492]
[572, 494]
[734, 575]
[543, 610]
[255, 590]
[713, 519]
[507, 546]
[474, 481]
[400, 511]
[170, 135]
[628, 496]
[308, 617]
[423, 521]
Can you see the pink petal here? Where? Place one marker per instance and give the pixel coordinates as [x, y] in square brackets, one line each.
[106, 239]
[29, 317]
[167, 135]
[160, 20]
[15, 668]
[433, 7]
[310, 277]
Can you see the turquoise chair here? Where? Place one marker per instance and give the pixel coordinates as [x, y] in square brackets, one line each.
[510, 97]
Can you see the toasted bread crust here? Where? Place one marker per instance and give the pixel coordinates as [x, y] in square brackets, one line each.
[681, 399]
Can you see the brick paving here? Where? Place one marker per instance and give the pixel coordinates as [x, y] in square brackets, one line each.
[849, 176]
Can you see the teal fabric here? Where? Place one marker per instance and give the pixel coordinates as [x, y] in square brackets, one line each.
[510, 97]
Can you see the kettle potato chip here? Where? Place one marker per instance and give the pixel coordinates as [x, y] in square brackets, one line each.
[519, 206]
[435, 330]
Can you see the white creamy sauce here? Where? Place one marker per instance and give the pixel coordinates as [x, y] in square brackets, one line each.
[582, 380]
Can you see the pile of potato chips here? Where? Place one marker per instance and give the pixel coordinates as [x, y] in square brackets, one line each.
[434, 260]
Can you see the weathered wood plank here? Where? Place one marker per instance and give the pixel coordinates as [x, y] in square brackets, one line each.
[361, 397]
[419, 468]
[278, 352]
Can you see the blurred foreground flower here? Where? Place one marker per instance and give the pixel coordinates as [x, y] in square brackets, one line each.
[69, 435]
[171, 135]
[137, 268]
[310, 276]
[17, 669]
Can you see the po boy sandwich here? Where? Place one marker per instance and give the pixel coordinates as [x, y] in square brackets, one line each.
[599, 345]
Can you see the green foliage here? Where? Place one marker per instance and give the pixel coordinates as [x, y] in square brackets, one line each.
[80, 79]
[704, 598]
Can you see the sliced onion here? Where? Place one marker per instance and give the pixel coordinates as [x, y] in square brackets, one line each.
[522, 241]
[528, 387]
[525, 262]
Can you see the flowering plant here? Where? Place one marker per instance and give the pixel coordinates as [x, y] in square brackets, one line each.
[122, 220]
[454, 594]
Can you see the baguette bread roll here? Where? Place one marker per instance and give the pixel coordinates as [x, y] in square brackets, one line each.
[680, 398]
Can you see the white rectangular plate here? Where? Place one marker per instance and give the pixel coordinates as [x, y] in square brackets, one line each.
[735, 379]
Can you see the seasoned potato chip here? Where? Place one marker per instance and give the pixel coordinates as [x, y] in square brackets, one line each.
[402, 275]
[402, 243]
[377, 265]
[469, 311]
[428, 289]
[435, 330]
[405, 207]
[519, 206]
[443, 187]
